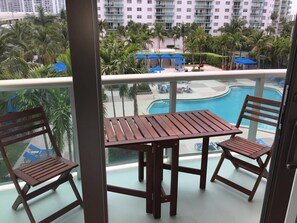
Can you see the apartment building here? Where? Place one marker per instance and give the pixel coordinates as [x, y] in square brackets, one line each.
[209, 14]
[31, 6]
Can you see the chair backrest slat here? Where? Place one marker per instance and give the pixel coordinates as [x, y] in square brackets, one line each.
[260, 110]
[19, 126]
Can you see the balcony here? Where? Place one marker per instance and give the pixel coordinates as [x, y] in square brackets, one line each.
[165, 6]
[114, 5]
[202, 20]
[203, 6]
[164, 14]
[164, 20]
[193, 204]
[235, 14]
[115, 20]
[113, 13]
[203, 14]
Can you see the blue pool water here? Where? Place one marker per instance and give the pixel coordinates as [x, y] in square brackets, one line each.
[227, 106]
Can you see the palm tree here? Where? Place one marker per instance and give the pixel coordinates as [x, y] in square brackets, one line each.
[160, 33]
[184, 30]
[260, 43]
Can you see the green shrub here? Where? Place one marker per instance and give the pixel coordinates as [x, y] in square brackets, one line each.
[144, 88]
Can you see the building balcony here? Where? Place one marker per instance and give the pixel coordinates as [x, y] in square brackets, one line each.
[114, 20]
[164, 20]
[236, 7]
[197, 14]
[165, 6]
[192, 202]
[114, 5]
[113, 13]
[235, 14]
[203, 6]
[257, 6]
[202, 20]
[164, 14]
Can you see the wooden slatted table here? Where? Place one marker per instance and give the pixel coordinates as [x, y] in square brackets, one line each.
[145, 134]
[152, 134]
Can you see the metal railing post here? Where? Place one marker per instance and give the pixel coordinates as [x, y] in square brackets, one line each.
[259, 88]
[74, 131]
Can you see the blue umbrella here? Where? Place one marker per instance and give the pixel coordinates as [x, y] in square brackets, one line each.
[156, 69]
[165, 56]
[177, 56]
[153, 56]
[59, 67]
[180, 62]
[139, 56]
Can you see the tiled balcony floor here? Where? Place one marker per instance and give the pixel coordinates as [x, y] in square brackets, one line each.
[218, 203]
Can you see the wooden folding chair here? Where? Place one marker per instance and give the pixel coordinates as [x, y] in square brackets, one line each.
[258, 110]
[48, 172]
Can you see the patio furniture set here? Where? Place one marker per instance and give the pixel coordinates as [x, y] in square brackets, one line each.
[149, 135]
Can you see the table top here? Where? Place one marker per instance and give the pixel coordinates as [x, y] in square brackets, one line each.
[161, 127]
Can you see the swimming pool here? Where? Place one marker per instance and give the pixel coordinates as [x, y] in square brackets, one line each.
[226, 106]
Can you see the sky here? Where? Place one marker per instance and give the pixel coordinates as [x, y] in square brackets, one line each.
[294, 7]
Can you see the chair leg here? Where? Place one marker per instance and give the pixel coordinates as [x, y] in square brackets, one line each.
[260, 162]
[140, 166]
[64, 175]
[218, 167]
[74, 188]
[19, 199]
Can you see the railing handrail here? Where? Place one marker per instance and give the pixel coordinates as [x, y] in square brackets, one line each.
[56, 82]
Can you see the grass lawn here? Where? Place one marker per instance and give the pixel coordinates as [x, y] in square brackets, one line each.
[13, 152]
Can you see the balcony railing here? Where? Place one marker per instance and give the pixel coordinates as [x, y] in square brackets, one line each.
[172, 79]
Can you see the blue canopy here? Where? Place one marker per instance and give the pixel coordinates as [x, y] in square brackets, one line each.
[177, 56]
[244, 61]
[59, 67]
[180, 62]
[153, 56]
[165, 56]
[155, 69]
[140, 56]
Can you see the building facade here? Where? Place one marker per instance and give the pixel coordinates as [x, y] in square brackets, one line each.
[31, 6]
[209, 14]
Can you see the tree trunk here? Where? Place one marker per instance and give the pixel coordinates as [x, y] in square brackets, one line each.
[69, 145]
[135, 100]
[123, 106]
[112, 99]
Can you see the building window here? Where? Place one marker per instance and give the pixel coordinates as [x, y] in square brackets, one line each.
[215, 31]
[178, 17]
[129, 9]
[243, 17]
[149, 9]
[188, 17]
[99, 16]
[225, 23]
[149, 24]
[244, 10]
[99, 8]
[227, 3]
[188, 9]
[226, 10]
[179, 2]
[226, 17]
[264, 10]
[149, 16]
[189, 2]
[216, 24]
[139, 1]
[139, 16]
[129, 16]
[129, 1]
[138, 9]
[178, 24]
[263, 17]
[149, 1]
[216, 17]
[217, 2]
[178, 9]
[262, 24]
[246, 3]
[217, 10]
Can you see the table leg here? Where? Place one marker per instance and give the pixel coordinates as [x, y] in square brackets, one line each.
[205, 143]
[140, 166]
[174, 178]
[157, 172]
[149, 182]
